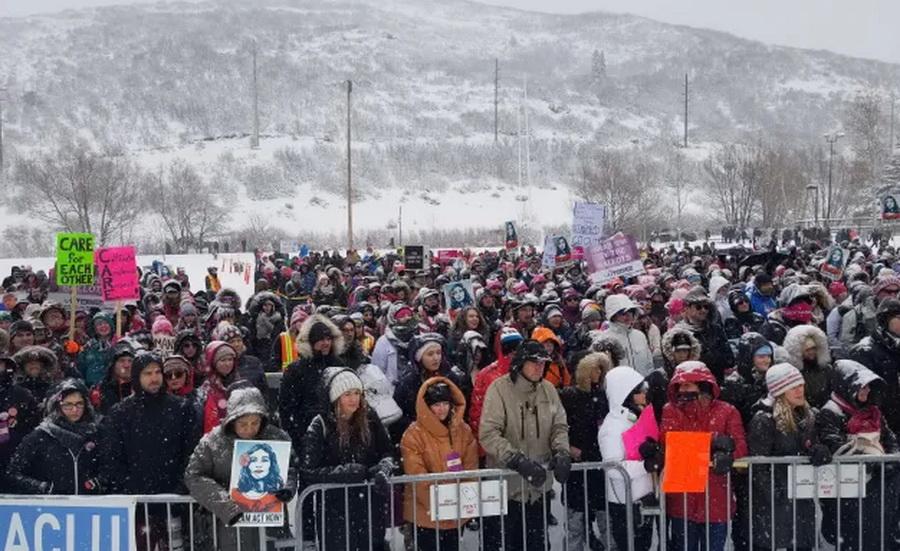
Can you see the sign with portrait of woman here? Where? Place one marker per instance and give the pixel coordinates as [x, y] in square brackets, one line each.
[258, 469]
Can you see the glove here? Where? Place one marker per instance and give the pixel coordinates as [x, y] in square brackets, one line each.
[284, 494]
[819, 455]
[562, 466]
[722, 443]
[45, 487]
[93, 486]
[651, 453]
[351, 473]
[722, 462]
[235, 519]
[381, 476]
[531, 471]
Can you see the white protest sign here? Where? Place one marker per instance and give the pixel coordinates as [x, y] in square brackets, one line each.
[453, 501]
[807, 478]
[615, 257]
[549, 258]
[588, 220]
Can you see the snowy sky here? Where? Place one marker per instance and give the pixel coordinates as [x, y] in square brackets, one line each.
[863, 28]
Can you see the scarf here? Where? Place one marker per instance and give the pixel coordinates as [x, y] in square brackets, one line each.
[74, 436]
[862, 420]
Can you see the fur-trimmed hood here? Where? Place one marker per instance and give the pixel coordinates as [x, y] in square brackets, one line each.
[668, 349]
[304, 348]
[796, 337]
[604, 342]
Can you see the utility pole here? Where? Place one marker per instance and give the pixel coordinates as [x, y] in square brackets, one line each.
[349, 180]
[831, 139]
[685, 110]
[527, 134]
[497, 98]
[254, 139]
[400, 224]
[892, 123]
[2, 94]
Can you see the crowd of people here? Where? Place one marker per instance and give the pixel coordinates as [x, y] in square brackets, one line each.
[544, 369]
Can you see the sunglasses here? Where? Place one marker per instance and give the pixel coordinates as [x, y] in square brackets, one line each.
[176, 374]
[700, 306]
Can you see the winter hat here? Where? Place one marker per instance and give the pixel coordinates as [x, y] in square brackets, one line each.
[20, 326]
[163, 326]
[227, 332]
[142, 360]
[551, 311]
[437, 393]
[591, 313]
[782, 377]
[244, 399]
[174, 362]
[697, 295]
[530, 350]
[172, 284]
[216, 350]
[764, 350]
[837, 288]
[339, 380]
[886, 284]
[474, 339]
[187, 309]
[889, 308]
[398, 309]
[617, 304]
[682, 341]
[425, 342]
[508, 335]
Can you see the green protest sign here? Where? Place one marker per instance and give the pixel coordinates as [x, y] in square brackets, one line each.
[74, 259]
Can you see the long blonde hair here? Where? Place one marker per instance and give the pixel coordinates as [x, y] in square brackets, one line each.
[595, 361]
[355, 430]
[786, 415]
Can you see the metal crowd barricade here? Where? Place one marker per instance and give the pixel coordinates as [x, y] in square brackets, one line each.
[475, 491]
[860, 490]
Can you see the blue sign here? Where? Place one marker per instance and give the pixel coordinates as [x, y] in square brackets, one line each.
[67, 524]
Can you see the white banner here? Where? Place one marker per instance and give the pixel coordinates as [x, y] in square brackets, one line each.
[588, 220]
[453, 501]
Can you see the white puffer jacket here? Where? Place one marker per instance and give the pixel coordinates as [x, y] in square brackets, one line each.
[620, 381]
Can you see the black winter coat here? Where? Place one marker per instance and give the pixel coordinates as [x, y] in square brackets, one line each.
[715, 351]
[251, 369]
[746, 322]
[880, 353]
[21, 417]
[59, 457]
[299, 399]
[745, 387]
[320, 463]
[585, 412]
[145, 443]
[764, 439]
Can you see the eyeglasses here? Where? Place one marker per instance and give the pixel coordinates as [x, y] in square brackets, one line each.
[69, 406]
[701, 306]
[176, 374]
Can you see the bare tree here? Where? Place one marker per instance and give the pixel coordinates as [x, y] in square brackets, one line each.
[76, 189]
[864, 121]
[731, 185]
[678, 179]
[190, 208]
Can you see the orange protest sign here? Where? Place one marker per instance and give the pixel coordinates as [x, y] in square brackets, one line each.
[687, 462]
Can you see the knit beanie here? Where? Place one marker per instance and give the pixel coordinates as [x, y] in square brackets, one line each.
[339, 380]
[782, 377]
[429, 345]
[163, 326]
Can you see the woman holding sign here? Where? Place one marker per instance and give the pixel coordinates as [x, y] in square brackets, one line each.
[209, 469]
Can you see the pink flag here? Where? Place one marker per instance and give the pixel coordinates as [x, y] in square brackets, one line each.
[645, 428]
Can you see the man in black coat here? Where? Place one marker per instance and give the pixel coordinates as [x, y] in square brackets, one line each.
[319, 345]
[702, 322]
[146, 441]
[880, 352]
[18, 416]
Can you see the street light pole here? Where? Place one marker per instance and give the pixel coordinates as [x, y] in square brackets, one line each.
[816, 203]
[349, 179]
[831, 139]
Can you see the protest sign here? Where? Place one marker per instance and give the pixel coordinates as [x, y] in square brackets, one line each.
[835, 261]
[687, 462]
[117, 273]
[288, 247]
[548, 261]
[447, 256]
[588, 220]
[414, 257]
[615, 257]
[808, 481]
[459, 294]
[258, 469]
[87, 298]
[644, 428]
[468, 500]
[890, 210]
[68, 522]
[74, 259]
[512, 238]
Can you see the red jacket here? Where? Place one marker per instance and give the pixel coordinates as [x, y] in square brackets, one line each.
[717, 417]
[482, 381]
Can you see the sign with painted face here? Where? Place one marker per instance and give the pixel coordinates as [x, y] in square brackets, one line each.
[259, 468]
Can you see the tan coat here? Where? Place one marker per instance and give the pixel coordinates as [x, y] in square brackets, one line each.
[425, 446]
[522, 417]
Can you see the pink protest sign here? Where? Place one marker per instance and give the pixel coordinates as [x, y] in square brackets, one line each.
[117, 273]
[645, 428]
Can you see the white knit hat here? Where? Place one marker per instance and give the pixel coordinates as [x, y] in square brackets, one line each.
[782, 377]
[340, 380]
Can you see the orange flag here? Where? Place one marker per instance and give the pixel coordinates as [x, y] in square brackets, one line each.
[687, 462]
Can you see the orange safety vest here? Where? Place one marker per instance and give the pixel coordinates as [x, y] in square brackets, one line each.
[288, 349]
